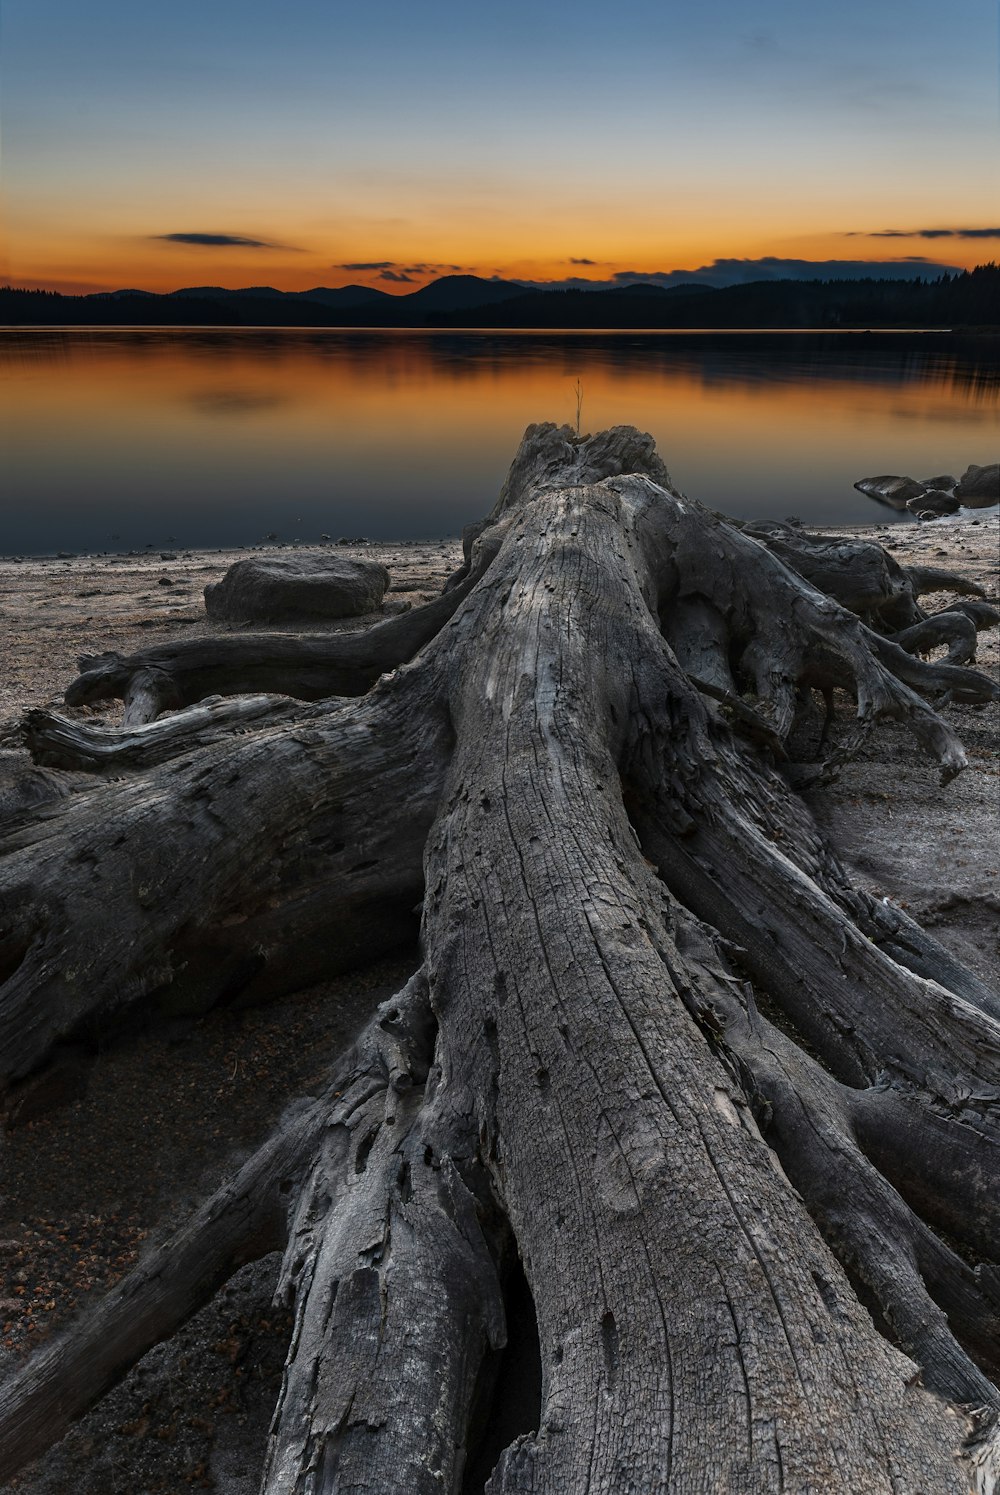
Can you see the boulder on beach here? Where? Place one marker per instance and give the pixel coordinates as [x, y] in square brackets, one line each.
[933, 504]
[979, 487]
[894, 491]
[267, 589]
[945, 480]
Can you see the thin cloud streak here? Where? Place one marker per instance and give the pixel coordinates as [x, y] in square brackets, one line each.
[218, 241]
[926, 233]
[421, 268]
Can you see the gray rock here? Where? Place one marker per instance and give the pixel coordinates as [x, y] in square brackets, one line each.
[894, 491]
[933, 504]
[945, 480]
[168, 555]
[979, 487]
[296, 586]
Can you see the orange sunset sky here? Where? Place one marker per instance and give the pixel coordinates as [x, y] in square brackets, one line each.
[168, 146]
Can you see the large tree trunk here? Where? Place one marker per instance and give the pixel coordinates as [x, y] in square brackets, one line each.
[659, 1049]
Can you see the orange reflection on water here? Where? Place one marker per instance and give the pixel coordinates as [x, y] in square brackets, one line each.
[227, 434]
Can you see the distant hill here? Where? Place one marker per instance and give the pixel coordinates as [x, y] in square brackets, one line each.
[461, 293]
[117, 295]
[340, 296]
[970, 300]
[343, 296]
[644, 288]
[219, 293]
[450, 293]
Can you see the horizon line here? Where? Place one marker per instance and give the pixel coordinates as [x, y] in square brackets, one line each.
[643, 280]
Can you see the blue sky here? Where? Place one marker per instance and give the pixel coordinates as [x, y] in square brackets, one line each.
[509, 141]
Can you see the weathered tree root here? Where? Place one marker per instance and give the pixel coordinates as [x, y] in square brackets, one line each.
[58, 741]
[811, 1120]
[860, 574]
[310, 667]
[393, 1267]
[371, 1225]
[955, 629]
[241, 1222]
[659, 1046]
[147, 888]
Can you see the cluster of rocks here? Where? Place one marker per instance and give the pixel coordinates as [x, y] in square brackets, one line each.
[977, 488]
[268, 589]
[272, 538]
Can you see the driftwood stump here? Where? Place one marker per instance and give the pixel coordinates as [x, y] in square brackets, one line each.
[658, 1051]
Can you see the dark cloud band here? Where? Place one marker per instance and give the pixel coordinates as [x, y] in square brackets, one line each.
[421, 268]
[927, 233]
[216, 241]
[730, 272]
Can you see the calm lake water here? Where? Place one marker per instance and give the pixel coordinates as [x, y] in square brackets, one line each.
[115, 439]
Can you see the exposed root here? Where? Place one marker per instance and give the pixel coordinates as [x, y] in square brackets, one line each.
[68, 743]
[397, 1297]
[926, 1294]
[953, 629]
[243, 1220]
[582, 1072]
[377, 1223]
[924, 579]
[144, 888]
[982, 1452]
[310, 667]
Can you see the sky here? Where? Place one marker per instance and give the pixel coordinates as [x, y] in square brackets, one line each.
[218, 143]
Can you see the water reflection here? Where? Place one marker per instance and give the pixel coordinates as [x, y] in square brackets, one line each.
[218, 437]
[238, 402]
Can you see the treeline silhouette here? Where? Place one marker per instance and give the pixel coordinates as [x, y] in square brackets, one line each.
[966, 301]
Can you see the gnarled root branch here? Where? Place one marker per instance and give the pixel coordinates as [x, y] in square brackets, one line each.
[309, 667]
[390, 1261]
[397, 1301]
[932, 1302]
[640, 957]
[248, 868]
[244, 1220]
[58, 741]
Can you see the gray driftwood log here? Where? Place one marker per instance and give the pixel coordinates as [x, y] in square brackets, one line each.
[659, 1050]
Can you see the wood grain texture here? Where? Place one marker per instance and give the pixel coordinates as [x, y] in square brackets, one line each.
[739, 1121]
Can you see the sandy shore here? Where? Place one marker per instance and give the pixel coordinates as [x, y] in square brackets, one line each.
[169, 1107]
[53, 609]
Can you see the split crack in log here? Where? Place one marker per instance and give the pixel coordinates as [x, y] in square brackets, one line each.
[617, 885]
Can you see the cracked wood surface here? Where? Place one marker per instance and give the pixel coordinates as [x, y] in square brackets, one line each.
[659, 1047]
